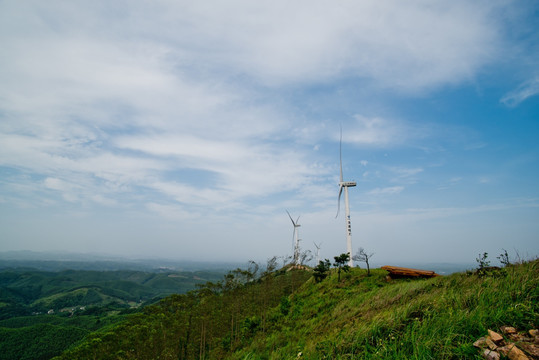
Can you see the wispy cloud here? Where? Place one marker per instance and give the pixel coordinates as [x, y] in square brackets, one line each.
[405, 175]
[524, 91]
[386, 191]
[426, 214]
[183, 110]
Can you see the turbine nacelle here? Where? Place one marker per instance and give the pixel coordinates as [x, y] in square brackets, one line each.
[347, 183]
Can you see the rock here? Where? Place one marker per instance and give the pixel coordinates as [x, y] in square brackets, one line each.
[490, 355]
[508, 330]
[491, 345]
[497, 338]
[531, 349]
[480, 343]
[534, 332]
[520, 338]
[513, 352]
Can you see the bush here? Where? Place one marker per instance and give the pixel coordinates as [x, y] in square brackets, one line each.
[321, 270]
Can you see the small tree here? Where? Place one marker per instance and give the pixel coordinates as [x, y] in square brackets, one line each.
[341, 264]
[305, 257]
[363, 257]
[320, 271]
[271, 266]
[253, 270]
[504, 258]
[483, 264]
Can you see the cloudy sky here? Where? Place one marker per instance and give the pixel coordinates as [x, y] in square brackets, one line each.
[186, 129]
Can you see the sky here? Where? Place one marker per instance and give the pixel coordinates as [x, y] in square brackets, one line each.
[187, 129]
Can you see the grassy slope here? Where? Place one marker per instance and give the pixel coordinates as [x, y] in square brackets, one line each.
[368, 318]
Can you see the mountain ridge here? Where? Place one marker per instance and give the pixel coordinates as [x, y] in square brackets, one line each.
[286, 314]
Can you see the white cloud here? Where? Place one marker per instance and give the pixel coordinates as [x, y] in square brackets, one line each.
[173, 212]
[408, 46]
[376, 132]
[413, 215]
[405, 175]
[57, 184]
[524, 91]
[181, 109]
[386, 191]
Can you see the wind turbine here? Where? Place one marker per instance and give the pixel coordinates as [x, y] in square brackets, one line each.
[295, 237]
[317, 252]
[345, 185]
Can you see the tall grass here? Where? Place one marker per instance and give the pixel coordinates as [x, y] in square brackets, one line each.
[369, 318]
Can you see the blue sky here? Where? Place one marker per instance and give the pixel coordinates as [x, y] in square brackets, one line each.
[187, 129]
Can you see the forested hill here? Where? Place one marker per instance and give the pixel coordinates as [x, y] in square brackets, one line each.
[23, 292]
[42, 313]
[286, 314]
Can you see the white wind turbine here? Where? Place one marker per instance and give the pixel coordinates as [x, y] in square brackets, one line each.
[345, 185]
[317, 252]
[295, 237]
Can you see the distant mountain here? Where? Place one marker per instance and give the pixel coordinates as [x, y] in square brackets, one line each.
[44, 312]
[57, 261]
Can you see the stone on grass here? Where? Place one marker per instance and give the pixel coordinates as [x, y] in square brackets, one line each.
[497, 338]
[490, 355]
[508, 330]
[491, 345]
[531, 349]
[513, 352]
[480, 343]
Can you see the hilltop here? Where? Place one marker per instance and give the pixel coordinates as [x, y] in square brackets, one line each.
[285, 314]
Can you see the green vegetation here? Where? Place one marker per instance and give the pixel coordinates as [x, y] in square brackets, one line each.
[321, 271]
[286, 314]
[36, 342]
[369, 318]
[26, 292]
[340, 264]
[44, 313]
[211, 322]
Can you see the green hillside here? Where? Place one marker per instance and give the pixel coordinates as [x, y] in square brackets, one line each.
[287, 315]
[43, 313]
[23, 292]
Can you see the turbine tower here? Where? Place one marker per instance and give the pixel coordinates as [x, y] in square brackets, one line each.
[345, 185]
[295, 238]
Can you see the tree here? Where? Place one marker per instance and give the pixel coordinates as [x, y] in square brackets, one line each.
[320, 271]
[341, 264]
[363, 257]
[305, 257]
[483, 264]
[504, 258]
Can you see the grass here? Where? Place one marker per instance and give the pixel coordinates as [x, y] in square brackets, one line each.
[368, 318]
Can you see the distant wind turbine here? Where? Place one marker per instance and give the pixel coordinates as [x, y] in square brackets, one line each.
[345, 185]
[295, 238]
[317, 252]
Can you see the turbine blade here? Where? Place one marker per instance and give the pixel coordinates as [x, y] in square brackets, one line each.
[340, 153]
[293, 223]
[297, 221]
[339, 201]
